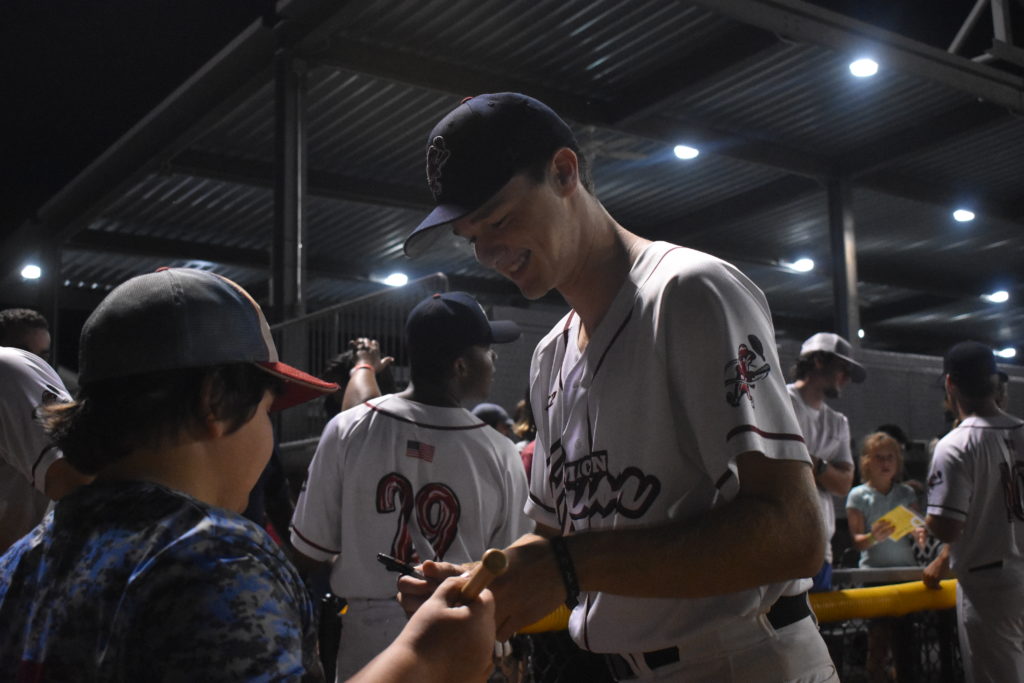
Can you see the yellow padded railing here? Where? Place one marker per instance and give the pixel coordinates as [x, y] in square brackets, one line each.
[853, 603]
[882, 601]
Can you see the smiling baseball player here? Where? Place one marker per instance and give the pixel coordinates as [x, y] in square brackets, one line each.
[671, 487]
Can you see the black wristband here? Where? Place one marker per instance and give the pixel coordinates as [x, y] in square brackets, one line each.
[567, 570]
[820, 468]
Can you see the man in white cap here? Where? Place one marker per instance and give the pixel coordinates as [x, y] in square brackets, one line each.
[825, 367]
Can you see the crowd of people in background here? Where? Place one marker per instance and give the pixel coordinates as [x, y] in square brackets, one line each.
[659, 477]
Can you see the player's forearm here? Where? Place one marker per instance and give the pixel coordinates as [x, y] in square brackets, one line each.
[362, 386]
[754, 540]
[836, 478]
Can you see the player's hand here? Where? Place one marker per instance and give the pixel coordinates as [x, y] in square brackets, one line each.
[531, 587]
[446, 640]
[413, 592]
[933, 573]
[368, 351]
[453, 641]
[882, 529]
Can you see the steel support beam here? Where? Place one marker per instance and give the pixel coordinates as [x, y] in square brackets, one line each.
[287, 259]
[810, 24]
[423, 72]
[323, 184]
[965, 30]
[844, 259]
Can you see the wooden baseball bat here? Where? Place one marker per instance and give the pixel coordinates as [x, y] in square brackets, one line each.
[492, 565]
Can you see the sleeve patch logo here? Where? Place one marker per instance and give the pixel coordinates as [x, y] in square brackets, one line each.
[743, 372]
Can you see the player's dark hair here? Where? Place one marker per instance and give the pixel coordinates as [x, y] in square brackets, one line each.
[111, 418]
[432, 368]
[14, 320]
[976, 388]
[537, 172]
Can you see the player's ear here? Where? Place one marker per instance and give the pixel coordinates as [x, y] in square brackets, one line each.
[460, 367]
[208, 425]
[565, 171]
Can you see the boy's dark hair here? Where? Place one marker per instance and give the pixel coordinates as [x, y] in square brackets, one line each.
[14, 320]
[112, 418]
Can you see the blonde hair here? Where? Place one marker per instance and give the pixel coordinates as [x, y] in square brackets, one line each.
[872, 442]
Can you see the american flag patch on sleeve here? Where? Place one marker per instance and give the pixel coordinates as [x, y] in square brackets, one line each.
[423, 451]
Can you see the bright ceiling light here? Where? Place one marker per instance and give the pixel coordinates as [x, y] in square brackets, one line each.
[396, 280]
[1002, 296]
[963, 215]
[860, 333]
[864, 68]
[686, 152]
[1008, 352]
[31, 272]
[802, 265]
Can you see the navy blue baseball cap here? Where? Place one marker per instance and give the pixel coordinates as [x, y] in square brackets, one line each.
[178, 318]
[446, 324]
[477, 148]
[969, 360]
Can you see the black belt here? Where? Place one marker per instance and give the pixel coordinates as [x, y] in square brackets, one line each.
[622, 671]
[788, 609]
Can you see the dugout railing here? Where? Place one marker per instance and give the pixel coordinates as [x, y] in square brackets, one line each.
[925, 622]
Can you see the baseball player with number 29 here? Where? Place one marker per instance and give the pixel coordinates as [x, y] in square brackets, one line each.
[671, 489]
[976, 506]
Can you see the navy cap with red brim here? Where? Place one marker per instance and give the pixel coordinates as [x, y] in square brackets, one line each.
[298, 386]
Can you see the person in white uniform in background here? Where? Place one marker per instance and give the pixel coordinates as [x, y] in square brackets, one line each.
[413, 475]
[976, 507]
[671, 488]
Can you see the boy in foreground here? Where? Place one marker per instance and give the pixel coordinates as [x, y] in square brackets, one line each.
[149, 573]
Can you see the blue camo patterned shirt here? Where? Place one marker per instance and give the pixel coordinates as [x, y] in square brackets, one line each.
[131, 581]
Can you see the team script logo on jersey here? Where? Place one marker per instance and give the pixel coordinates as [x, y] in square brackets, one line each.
[586, 488]
[437, 156]
[935, 479]
[743, 372]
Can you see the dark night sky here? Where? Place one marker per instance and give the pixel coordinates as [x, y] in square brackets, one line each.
[79, 73]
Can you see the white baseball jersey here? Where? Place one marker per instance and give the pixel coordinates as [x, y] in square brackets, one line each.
[977, 477]
[644, 426]
[26, 382]
[414, 481]
[827, 435]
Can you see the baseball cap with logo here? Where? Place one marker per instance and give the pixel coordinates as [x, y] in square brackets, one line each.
[444, 325]
[969, 360]
[179, 318]
[492, 414]
[830, 342]
[477, 148]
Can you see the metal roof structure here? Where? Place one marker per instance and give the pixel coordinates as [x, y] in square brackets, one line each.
[797, 158]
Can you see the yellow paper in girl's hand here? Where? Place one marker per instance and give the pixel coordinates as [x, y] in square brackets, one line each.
[903, 519]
